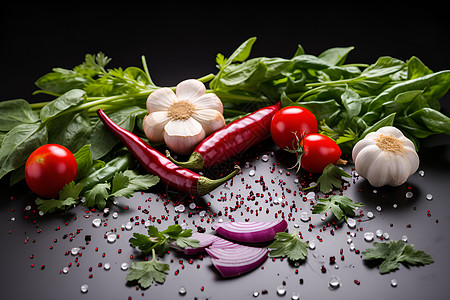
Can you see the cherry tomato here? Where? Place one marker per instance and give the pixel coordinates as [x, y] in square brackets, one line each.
[318, 152]
[49, 168]
[288, 120]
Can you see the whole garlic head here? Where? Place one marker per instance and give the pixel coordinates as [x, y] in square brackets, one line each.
[385, 157]
[184, 118]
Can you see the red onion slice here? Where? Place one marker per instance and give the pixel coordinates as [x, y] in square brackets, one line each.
[250, 232]
[232, 262]
[229, 258]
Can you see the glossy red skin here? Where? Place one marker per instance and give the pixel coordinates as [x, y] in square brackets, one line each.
[291, 119]
[319, 152]
[237, 137]
[152, 160]
[49, 168]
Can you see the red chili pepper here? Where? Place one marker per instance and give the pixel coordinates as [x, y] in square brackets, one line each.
[154, 162]
[235, 138]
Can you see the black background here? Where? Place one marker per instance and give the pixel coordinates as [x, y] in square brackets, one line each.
[181, 41]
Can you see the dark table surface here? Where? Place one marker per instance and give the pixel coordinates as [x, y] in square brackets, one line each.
[36, 250]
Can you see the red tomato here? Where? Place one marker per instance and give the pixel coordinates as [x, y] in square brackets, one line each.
[318, 152]
[49, 168]
[288, 120]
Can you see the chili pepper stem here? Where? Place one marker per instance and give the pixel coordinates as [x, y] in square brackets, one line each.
[195, 161]
[206, 185]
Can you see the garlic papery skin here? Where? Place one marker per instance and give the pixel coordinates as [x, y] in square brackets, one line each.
[183, 118]
[385, 157]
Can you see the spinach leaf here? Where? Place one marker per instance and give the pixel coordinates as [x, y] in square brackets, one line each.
[335, 56]
[70, 99]
[16, 112]
[18, 144]
[71, 130]
[102, 141]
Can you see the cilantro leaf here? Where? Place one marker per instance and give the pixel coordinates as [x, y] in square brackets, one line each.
[68, 196]
[341, 207]
[290, 245]
[147, 272]
[395, 252]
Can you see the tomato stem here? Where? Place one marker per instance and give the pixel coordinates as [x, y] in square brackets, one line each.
[297, 148]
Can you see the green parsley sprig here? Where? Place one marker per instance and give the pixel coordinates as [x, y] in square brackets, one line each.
[391, 254]
[330, 178]
[288, 245]
[341, 206]
[157, 242]
[147, 272]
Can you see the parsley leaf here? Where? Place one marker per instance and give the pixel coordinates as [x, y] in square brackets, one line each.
[395, 252]
[341, 207]
[68, 196]
[159, 240]
[96, 197]
[289, 245]
[147, 272]
[123, 184]
[331, 177]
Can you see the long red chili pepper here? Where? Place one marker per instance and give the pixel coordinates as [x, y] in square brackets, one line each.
[231, 140]
[154, 162]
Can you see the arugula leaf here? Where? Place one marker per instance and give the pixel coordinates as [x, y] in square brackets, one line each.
[289, 245]
[395, 252]
[341, 206]
[159, 240]
[68, 196]
[147, 272]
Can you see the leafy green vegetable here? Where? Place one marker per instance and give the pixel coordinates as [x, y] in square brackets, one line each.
[330, 178]
[348, 99]
[159, 240]
[288, 245]
[391, 254]
[68, 197]
[354, 99]
[341, 206]
[147, 272]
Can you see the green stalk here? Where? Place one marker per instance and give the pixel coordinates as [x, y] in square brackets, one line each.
[342, 81]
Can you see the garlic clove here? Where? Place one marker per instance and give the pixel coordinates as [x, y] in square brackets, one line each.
[210, 119]
[153, 125]
[190, 89]
[209, 101]
[161, 100]
[182, 136]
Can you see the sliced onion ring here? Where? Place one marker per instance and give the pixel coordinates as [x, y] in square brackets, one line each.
[232, 262]
[250, 232]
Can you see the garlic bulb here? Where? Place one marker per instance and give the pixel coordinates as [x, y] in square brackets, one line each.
[184, 118]
[385, 157]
